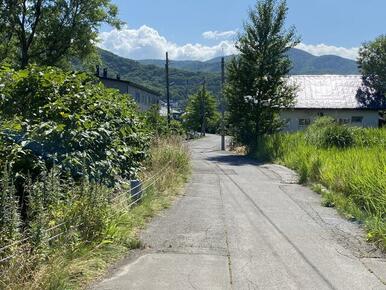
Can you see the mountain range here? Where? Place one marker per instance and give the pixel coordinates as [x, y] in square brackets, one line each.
[304, 63]
[186, 76]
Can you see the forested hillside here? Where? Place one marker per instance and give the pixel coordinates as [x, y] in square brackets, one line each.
[183, 83]
[186, 76]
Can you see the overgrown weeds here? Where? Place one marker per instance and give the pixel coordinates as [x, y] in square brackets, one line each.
[77, 229]
[354, 176]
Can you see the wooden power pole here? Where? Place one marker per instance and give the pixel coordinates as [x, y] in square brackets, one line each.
[222, 104]
[167, 86]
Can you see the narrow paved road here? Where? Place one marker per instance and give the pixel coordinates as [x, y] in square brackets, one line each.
[242, 225]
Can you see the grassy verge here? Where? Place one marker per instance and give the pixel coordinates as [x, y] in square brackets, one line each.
[352, 179]
[72, 262]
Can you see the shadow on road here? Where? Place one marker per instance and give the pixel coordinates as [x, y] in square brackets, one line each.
[234, 160]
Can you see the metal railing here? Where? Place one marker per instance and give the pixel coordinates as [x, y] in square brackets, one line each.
[138, 196]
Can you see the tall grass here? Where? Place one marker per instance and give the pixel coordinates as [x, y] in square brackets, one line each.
[96, 223]
[355, 177]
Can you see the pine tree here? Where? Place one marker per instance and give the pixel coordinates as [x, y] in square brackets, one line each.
[257, 86]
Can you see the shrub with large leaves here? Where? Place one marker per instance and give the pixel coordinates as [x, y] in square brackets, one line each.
[49, 116]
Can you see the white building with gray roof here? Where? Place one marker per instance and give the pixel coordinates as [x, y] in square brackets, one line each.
[330, 95]
[144, 97]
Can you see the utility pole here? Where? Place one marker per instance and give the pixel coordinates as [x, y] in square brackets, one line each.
[222, 104]
[167, 86]
[203, 125]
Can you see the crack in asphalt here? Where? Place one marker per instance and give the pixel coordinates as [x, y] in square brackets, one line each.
[315, 269]
[225, 232]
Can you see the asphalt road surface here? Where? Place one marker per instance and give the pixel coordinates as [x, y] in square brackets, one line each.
[241, 225]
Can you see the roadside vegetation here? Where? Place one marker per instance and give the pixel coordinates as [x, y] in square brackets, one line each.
[69, 148]
[346, 165]
[201, 113]
[257, 86]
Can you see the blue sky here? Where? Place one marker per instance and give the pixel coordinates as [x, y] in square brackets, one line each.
[325, 26]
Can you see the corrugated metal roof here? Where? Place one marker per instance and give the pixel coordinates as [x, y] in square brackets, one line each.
[329, 92]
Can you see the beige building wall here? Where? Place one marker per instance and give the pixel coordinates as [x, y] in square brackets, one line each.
[299, 119]
[143, 98]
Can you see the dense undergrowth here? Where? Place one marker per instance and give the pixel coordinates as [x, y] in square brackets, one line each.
[346, 165]
[95, 224]
[68, 150]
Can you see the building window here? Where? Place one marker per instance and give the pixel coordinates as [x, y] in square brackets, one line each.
[137, 97]
[287, 123]
[153, 100]
[304, 122]
[356, 120]
[343, 121]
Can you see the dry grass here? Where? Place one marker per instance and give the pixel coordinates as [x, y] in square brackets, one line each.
[72, 264]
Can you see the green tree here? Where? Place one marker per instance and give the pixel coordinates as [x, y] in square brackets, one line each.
[372, 64]
[72, 122]
[201, 112]
[257, 86]
[50, 32]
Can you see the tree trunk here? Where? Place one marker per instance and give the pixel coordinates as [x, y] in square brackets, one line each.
[24, 56]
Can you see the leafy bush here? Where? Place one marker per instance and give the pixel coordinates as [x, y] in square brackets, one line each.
[159, 124]
[326, 133]
[68, 119]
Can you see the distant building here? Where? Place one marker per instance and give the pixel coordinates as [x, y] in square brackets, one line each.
[144, 97]
[330, 95]
[174, 112]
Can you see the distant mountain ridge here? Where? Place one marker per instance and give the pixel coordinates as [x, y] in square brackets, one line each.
[187, 76]
[304, 63]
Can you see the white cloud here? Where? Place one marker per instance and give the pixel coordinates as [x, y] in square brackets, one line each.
[146, 42]
[219, 34]
[323, 49]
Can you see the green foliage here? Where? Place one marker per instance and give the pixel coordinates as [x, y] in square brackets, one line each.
[71, 121]
[184, 82]
[159, 124]
[49, 32]
[92, 223]
[9, 213]
[372, 64]
[326, 133]
[201, 112]
[257, 88]
[355, 177]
